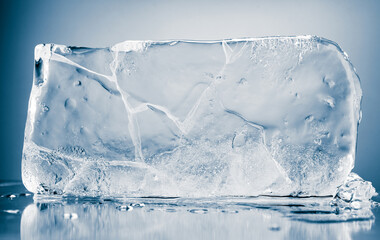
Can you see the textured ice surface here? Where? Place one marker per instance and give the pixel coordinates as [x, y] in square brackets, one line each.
[275, 116]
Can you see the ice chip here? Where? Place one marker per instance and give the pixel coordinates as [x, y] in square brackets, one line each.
[273, 116]
[355, 189]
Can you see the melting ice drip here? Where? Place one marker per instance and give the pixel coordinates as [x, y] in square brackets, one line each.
[272, 116]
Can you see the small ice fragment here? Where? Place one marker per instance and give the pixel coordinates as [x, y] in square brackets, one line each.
[355, 189]
[354, 193]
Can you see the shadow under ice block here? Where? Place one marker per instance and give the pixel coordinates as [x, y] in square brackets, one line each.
[274, 115]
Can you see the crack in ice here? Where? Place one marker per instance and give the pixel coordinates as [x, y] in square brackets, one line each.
[184, 126]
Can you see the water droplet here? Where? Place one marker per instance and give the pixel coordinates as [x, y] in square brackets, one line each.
[45, 108]
[77, 83]
[82, 130]
[70, 103]
[25, 194]
[198, 211]
[208, 74]
[326, 134]
[12, 211]
[11, 196]
[330, 101]
[124, 208]
[309, 118]
[328, 82]
[44, 133]
[242, 81]
[275, 228]
[138, 205]
[229, 211]
[71, 216]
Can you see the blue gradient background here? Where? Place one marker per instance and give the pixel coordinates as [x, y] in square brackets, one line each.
[354, 25]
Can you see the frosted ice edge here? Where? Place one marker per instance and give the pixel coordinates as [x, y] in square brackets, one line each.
[57, 53]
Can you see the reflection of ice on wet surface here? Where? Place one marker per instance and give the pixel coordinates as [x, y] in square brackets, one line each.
[180, 218]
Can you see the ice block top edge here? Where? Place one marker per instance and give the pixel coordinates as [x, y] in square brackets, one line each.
[42, 49]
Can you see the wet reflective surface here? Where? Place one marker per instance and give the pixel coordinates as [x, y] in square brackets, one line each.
[25, 216]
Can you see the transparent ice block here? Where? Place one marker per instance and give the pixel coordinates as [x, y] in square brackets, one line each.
[254, 116]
